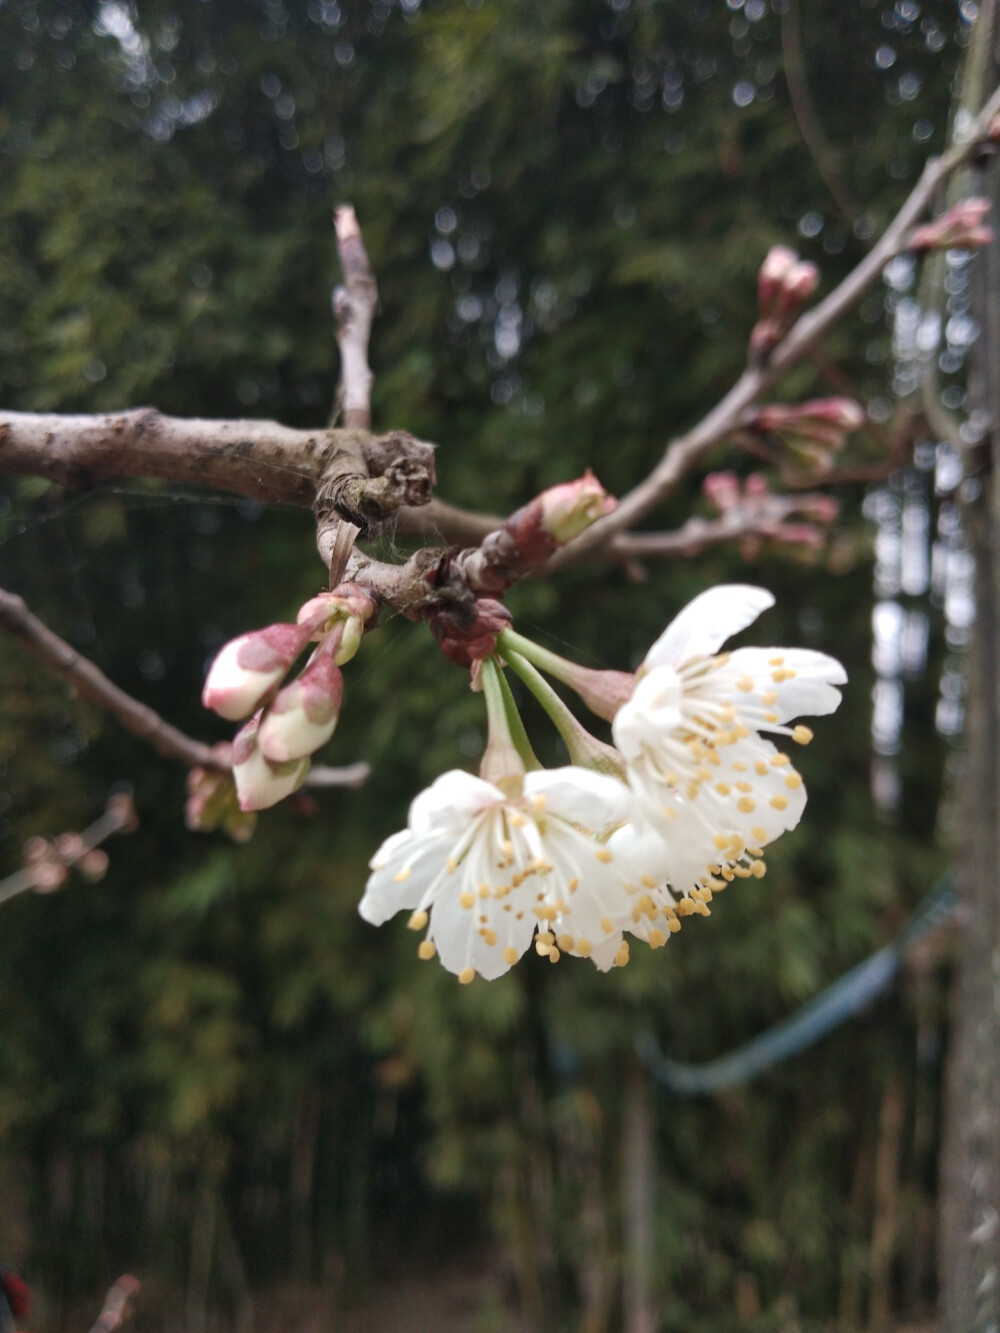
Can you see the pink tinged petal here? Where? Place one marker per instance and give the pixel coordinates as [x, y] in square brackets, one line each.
[260, 783]
[304, 714]
[653, 711]
[579, 796]
[705, 624]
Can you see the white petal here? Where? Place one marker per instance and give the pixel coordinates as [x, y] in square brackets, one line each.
[810, 692]
[404, 870]
[594, 800]
[603, 955]
[653, 710]
[705, 624]
[450, 800]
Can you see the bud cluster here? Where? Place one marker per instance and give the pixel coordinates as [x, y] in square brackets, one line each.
[784, 284]
[271, 755]
[753, 504]
[957, 228]
[813, 431]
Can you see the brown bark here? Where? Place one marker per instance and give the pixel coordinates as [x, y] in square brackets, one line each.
[970, 1199]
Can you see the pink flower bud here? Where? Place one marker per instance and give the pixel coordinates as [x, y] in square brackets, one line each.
[798, 534]
[959, 227]
[93, 865]
[349, 605]
[757, 487]
[784, 284]
[247, 669]
[722, 489]
[572, 507]
[303, 715]
[259, 782]
[558, 515]
[778, 263]
[820, 508]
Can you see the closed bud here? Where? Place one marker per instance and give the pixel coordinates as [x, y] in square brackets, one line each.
[303, 715]
[778, 263]
[249, 668]
[784, 284]
[259, 782]
[93, 865]
[722, 489]
[558, 515]
[348, 605]
[212, 804]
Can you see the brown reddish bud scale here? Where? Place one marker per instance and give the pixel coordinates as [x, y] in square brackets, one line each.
[468, 634]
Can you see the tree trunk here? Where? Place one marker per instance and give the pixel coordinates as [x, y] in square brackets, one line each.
[970, 1197]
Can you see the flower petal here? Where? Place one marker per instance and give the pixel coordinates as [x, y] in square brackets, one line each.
[705, 624]
[593, 800]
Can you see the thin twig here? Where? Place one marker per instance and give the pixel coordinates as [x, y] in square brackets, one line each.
[90, 682]
[118, 817]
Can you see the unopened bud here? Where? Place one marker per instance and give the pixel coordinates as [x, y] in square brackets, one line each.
[722, 489]
[349, 605]
[259, 782]
[784, 284]
[303, 715]
[247, 669]
[558, 515]
[93, 865]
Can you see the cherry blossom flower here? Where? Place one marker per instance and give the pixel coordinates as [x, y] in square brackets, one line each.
[482, 867]
[703, 775]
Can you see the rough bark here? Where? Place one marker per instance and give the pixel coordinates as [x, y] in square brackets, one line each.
[970, 1199]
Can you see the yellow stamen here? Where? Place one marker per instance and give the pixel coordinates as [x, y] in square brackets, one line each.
[744, 786]
[793, 781]
[583, 948]
[426, 949]
[657, 939]
[402, 875]
[418, 920]
[746, 804]
[566, 943]
[607, 925]
[759, 833]
[673, 925]
[744, 684]
[723, 789]
[802, 735]
[685, 907]
[466, 975]
[467, 899]
[490, 936]
[780, 760]
[779, 802]
[510, 955]
[621, 957]
[604, 855]
[554, 955]
[758, 869]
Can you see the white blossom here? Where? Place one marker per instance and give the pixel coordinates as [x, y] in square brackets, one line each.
[705, 778]
[481, 868]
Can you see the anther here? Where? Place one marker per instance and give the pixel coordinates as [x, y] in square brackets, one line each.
[801, 735]
[426, 949]
[466, 975]
[418, 920]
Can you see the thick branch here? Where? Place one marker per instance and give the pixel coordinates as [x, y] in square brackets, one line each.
[686, 450]
[91, 683]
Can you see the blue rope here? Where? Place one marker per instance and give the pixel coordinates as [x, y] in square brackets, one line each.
[801, 1029]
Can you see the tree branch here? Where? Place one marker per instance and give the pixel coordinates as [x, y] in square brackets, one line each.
[91, 683]
[49, 861]
[117, 1304]
[686, 450]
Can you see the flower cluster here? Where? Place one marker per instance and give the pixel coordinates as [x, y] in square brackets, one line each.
[957, 228]
[813, 431]
[626, 840]
[272, 753]
[752, 503]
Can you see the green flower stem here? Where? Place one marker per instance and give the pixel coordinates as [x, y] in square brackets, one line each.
[507, 752]
[540, 657]
[515, 725]
[584, 749]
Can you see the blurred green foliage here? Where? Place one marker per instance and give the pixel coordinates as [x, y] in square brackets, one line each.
[210, 1068]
